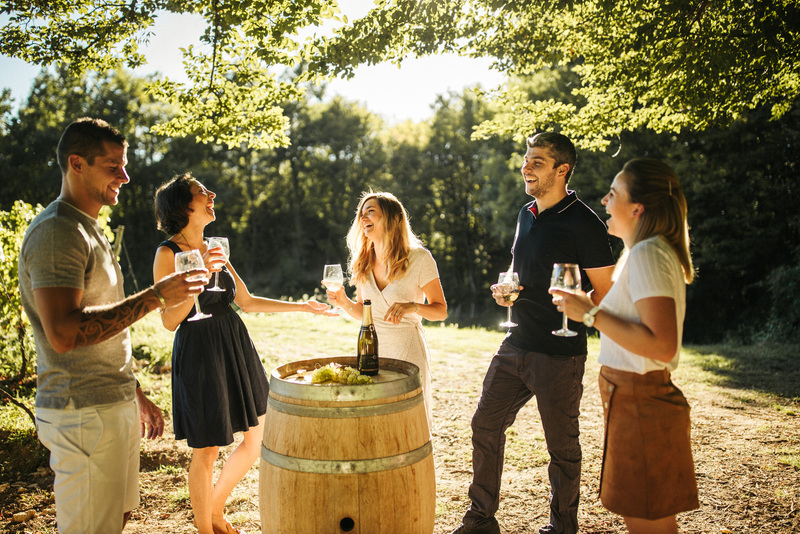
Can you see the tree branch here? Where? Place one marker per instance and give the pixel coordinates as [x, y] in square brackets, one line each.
[14, 401]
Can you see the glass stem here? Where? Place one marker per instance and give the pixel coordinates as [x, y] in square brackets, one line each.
[197, 305]
[216, 279]
[509, 314]
[564, 322]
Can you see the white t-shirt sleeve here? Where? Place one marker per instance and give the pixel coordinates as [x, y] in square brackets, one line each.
[651, 272]
[427, 266]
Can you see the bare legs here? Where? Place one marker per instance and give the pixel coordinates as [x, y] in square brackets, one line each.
[201, 488]
[208, 499]
[237, 465]
[665, 525]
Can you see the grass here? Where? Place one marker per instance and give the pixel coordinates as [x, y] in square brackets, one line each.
[21, 451]
[173, 469]
[763, 375]
[523, 452]
[180, 496]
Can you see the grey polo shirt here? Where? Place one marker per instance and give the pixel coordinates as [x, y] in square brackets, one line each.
[65, 247]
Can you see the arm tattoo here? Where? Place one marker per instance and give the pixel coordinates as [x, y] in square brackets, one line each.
[100, 323]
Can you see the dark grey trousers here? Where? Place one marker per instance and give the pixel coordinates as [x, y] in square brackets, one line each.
[513, 377]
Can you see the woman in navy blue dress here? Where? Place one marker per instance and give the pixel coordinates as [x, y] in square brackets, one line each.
[219, 385]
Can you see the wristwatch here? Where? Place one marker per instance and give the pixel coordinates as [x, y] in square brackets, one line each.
[588, 317]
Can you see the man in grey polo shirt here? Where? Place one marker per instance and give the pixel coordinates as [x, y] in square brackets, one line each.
[72, 291]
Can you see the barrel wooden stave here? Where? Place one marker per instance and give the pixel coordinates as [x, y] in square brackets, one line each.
[398, 500]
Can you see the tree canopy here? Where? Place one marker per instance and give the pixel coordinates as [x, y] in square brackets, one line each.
[667, 65]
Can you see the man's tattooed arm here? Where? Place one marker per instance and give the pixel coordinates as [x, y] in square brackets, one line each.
[67, 326]
[99, 323]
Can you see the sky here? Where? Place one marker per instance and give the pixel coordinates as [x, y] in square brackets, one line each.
[397, 94]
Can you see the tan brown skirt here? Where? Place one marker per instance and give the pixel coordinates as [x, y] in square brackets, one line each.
[648, 471]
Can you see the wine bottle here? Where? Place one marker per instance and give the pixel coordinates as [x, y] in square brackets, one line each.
[367, 343]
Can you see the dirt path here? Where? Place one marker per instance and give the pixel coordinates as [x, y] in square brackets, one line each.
[745, 484]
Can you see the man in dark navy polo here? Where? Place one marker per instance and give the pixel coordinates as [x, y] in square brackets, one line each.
[555, 227]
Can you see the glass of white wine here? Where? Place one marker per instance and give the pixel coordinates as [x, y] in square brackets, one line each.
[508, 285]
[221, 242]
[333, 277]
[188, 261]
[566, 277]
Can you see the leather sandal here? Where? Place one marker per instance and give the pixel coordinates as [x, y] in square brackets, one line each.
[229, 529]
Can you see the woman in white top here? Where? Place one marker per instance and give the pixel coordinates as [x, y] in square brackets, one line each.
[648, 472]
[390, 267]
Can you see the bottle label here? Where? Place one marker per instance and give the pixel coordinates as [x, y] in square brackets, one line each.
[368, 351]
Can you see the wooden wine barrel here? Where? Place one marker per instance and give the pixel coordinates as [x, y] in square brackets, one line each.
[347, 458]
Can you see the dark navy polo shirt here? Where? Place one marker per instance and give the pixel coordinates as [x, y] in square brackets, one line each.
[569, 232]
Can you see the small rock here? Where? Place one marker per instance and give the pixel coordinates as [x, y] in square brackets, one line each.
[4, 486]
[21, 517]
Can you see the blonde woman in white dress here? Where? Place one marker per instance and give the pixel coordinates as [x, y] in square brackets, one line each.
[389, 266]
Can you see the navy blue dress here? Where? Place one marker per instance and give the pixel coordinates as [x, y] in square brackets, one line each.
[219, 385]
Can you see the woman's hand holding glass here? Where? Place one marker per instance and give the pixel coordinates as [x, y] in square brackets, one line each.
[573, 303]
[333, 281]
[217, 246]
[337, 297]
[214, 260]
[566, 277]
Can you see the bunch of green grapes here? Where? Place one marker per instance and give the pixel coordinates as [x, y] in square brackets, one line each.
[348, 375]
[337, 373]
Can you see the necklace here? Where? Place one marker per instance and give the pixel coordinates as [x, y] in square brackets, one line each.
[186, 241]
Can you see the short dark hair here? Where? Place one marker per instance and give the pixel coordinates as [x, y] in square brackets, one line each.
[560, 147]
[172, 203]
[85, 138]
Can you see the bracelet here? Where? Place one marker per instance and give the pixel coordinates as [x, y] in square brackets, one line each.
[416, 307]
[160, 298]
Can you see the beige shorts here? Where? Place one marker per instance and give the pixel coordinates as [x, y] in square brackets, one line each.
[94, 453]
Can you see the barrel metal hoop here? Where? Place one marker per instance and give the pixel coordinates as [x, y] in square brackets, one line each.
[343, 412]
[346, 467]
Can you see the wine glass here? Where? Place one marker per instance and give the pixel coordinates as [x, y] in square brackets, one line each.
[188, 261]
[333, 277]
[221, 242]
[508, 285]
[567, 277]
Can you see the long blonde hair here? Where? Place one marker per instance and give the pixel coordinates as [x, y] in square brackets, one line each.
[653, 184]
[398, 239]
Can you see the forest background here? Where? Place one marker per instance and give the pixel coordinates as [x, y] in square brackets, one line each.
[286, 209]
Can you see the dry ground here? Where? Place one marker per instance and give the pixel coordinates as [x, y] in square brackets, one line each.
[746, 455]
